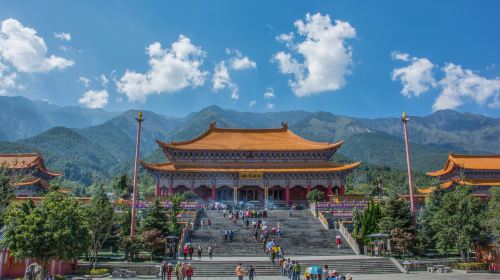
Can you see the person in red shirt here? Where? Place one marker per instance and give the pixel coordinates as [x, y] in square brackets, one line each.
[189, 271]
[185, 251]
[170, 269]
[191, 252]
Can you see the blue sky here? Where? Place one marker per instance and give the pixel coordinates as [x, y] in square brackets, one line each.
[357, 58]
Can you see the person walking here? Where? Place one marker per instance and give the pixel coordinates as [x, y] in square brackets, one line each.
[296, 271]
[199, 251]
[169, 271]
[191, 252]
[231, 235]
[185, 251]
[163, 270]
[210, 251]
[240, 272]
[189, 271]
[178, 268]
[273, 257]
[251, 273]
[226, 233]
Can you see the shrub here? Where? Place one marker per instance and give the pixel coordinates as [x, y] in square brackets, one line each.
[98, 271]
[59, 277]
[470, 266]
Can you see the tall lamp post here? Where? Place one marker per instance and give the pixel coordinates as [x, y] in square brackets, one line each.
[136, 165]
[404, 119]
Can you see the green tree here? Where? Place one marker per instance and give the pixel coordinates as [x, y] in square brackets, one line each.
[426, 233]
[459, 221]
[155, 218]
[153, 241]
[99, 216]
[189, 196]
[493, 214]
[175, 209]
[54, 229]
[121, 186]
[366, 222]
[315, 196]
[397, 222]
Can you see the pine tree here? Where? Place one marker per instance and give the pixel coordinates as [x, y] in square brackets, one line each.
[366, 222]
[155, 219]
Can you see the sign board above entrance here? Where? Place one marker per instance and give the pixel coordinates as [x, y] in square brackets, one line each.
[251, 175]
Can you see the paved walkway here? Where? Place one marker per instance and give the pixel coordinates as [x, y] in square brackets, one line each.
[411, 276]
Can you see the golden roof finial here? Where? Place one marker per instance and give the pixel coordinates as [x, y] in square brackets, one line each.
[139, 116]
[403, 117]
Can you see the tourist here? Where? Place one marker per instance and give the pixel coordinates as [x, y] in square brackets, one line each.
[210, 251]
[325, 272]
[224, 213]
[296, 271]
[247, 223]
[289, 269]
[209, 222]
[185, 251]
[349, 277]
[251, 273]
[283, 264]
[163, 270]
[189, 271]
[273, 257]
[256, 236]
[178, 268]
[191, 252]
[240, 272]
[290, 212]
[182, 273]
[338, 241]
[231, 235]
[169, 271]
[226, 233]
[199, 251]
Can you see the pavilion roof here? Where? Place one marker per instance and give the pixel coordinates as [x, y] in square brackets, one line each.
[240, 139]
[472, 162]
[25, 161]
[463, 182]
[267, 167]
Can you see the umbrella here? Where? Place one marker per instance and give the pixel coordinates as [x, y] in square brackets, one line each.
[314, 270]
[270, 245]
[378, 235]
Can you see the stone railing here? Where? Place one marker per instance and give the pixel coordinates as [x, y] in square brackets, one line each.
[348, 237]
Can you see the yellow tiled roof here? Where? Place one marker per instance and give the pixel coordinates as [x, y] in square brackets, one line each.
[273, 139]
[475, 162]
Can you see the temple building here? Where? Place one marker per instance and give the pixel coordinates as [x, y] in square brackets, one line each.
[261, 165]
[34, 177]
[482, 172]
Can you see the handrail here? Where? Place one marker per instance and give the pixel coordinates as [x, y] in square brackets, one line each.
[348, 237]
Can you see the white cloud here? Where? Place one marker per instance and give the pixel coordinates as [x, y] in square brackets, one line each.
[171, 70]
[63, 36]
[270, 106]
[26, 51]
[459, 84]
[252, 103]
[94, 98]
[417, 77]
[240, 61]
[222, 80]
[85, 81]
[327, 57]
[269, 94]
[104, 80]
[7, 80]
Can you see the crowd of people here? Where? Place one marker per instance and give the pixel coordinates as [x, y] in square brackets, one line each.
[182, 271]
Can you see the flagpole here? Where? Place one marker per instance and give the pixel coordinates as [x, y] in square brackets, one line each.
[136, 165]
[404, 119]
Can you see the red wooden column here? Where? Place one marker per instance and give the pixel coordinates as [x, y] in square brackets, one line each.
[308, 189]
[170, 190]
[342, 189]
[2, 260]
[214, 192]
[157, 189]
[287, 194]
[329, 192]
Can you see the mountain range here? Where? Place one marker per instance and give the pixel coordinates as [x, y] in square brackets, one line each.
[83, 143]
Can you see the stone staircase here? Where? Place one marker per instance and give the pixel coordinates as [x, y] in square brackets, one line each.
[350, 265]
[303, 235]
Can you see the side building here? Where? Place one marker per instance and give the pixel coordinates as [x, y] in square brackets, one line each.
[481, 172]
[260, 165]
[30, 168]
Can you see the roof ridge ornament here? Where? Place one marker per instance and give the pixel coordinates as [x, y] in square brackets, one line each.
[212, 125]
[284, 125]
